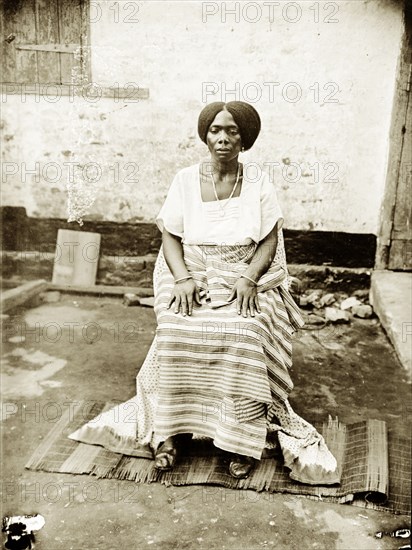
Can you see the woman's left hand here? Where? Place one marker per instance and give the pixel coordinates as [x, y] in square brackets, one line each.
[247, 301]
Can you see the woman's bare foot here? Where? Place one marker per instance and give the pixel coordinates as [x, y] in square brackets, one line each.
[241, 466]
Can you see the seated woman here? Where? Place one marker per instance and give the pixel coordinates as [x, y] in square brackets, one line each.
[219, 364]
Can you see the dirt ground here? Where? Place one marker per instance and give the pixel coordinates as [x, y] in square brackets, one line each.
[86, 348]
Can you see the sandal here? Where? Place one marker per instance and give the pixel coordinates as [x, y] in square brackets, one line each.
[168, 451]
[241, 466]
[165, 457]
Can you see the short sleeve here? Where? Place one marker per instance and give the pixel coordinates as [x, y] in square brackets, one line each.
[170, 216]
[270, 209]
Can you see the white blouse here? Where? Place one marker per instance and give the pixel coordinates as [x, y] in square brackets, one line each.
[246, 218]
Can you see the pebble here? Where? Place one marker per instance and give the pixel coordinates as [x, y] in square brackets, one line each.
[314, 319]
[362, 311]
[361, 293]
[327, 299]
[130, 299]
[334, 315]
[349, 303]
[314, 296]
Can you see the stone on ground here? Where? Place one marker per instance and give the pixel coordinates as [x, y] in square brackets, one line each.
[334, 315]
[130, 299]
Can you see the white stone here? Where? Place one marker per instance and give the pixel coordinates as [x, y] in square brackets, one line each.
[350, 302]
[335, 315]
[327, 299]
[130, 299]
[362, 311]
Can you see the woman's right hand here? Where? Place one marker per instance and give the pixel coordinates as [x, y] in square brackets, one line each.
[184, 295]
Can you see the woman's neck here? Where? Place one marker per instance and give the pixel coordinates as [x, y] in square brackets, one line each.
[224, 168]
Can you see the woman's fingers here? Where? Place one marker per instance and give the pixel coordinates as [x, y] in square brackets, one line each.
[245, 307]
[190, 304]
[232, 295]
[246, 303]
[197, 297]
[239, 303]
[184, 301]
[170, 302]
[184, 305]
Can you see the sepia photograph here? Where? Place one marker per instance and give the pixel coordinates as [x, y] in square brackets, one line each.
[206, 285]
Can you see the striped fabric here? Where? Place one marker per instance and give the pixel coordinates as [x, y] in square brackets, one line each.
[219, 373]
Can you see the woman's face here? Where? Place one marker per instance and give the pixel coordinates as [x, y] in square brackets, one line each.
[223, 137]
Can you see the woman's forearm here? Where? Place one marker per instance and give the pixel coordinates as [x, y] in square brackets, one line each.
[173, 253]
[264, 255]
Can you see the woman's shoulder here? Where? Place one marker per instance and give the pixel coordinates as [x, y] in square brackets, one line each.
[188, 172]
[255, 177]
[185, 180]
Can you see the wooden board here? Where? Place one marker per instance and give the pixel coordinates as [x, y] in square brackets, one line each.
[70, 31]
[395, 218]
[77, 258]
[47, 31]
[400, 255]
[37, 32]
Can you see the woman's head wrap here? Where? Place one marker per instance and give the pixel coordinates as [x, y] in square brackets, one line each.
[245, 116]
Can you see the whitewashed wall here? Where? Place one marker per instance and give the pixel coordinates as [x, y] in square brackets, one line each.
[333, 140]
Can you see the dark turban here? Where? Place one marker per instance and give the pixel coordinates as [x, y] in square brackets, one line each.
[245, 116]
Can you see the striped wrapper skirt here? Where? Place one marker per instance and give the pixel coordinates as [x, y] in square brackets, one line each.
[217, 374]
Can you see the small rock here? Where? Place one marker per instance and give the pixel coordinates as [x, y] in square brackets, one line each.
[362, 294]
[362, 311]
[327, 299]
[350, 302]
[334, 315]
[131, 299]
[51, 297]
[314, 320]
[314, 296]
[303, 301]
[147, 302]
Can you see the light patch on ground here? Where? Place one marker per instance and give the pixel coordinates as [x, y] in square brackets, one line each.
[51, 384]
[296, 506]
[63, 315]
[20, 382]
[351, 533]
[17, 339]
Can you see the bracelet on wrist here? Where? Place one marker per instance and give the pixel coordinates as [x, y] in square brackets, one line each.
[249, 279]
[183, 279]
